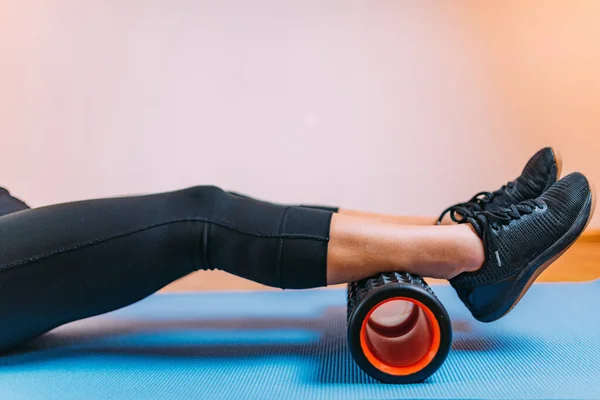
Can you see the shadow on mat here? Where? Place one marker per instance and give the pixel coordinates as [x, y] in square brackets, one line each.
[330, 356]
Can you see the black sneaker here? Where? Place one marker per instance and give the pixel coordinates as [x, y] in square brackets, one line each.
[522, 241]
[541, 171]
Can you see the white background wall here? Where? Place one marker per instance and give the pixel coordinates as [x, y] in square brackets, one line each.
[391, 106]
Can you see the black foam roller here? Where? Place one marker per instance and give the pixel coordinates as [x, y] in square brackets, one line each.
[366, 294]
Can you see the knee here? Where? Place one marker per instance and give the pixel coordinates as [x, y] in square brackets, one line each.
[208, 194]
[200, 201]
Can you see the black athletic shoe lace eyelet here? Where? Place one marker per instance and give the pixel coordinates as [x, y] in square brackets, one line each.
[480, 220]
[461, 211]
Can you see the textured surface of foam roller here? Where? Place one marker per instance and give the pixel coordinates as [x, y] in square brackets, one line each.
[359, 289]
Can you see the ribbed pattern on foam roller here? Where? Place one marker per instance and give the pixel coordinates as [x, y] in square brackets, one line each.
[359, 289]
[524, 239]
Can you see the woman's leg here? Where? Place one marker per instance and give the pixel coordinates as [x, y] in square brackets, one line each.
[339, 268]
[363, 244]
[361, 247]
[396, 219]
[10, 204]
[70, 261]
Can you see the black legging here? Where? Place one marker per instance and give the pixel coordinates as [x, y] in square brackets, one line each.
[71, 261]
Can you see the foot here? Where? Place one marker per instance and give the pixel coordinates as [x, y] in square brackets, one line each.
[540, 172]
[522, 241]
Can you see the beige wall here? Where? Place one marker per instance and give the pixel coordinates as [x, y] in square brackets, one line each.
[543, 59]
[400, 107]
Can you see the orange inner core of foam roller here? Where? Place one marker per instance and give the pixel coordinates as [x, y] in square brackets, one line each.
[400, 336]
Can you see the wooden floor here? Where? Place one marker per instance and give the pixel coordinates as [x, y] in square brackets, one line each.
[580, 263]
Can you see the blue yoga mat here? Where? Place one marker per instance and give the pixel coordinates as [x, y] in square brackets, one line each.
[292, 344]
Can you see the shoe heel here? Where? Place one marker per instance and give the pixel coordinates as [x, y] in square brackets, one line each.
[398, 331]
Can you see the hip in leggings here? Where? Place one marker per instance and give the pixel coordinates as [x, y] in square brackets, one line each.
[71, 261]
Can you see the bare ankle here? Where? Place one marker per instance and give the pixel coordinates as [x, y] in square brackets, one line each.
[474, 253]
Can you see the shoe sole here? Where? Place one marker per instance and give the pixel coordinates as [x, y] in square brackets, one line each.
[558, 161]
[546, 259]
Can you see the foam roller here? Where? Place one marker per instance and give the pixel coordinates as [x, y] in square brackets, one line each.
[398, 331]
